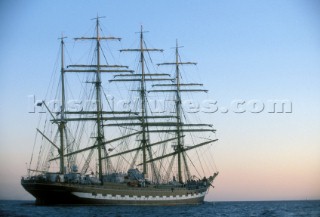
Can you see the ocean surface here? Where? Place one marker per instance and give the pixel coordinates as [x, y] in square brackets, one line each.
[267, 209]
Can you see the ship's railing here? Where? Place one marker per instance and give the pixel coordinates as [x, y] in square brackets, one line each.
[190, 185]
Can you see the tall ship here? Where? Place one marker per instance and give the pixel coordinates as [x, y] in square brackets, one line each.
[121, 135]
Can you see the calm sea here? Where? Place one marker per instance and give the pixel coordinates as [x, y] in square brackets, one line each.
[268, 209]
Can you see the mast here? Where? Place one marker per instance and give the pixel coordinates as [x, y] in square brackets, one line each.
[98, 102]
[97, 69]
[62, 122]
[143, 107]
[178, 112]
[143, 97]
[179, 133]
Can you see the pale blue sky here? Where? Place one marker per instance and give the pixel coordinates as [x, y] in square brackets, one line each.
[262, 50]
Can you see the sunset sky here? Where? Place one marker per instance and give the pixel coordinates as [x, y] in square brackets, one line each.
[247, 51]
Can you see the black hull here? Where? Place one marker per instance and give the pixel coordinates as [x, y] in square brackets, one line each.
[62, 193]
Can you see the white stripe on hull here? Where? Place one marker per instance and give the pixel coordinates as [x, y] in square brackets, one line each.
[137, 198]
